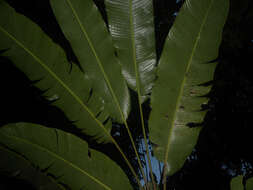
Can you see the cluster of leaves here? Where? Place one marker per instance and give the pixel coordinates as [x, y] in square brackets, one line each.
[223, 149]
[94, 94]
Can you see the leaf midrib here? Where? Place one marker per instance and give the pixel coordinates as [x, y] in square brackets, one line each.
[97, 58]
[22, 158]
[78, 99]
[138, 86]
[24, 141]
[74, 95]
[183, 82]
[108, 84]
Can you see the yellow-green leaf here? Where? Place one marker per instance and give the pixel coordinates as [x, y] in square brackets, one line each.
[236, 183]
[249, 184]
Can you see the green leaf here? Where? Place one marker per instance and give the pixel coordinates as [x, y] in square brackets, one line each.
[236, 183]
[14, 165]
[132, 28]
[249, 184]
[177, 96]
[41, 60]
[64, 156]
[84, 27]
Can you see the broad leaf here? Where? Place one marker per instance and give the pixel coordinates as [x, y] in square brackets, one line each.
[178, 95]
[84, 27]
[132, 28]
[236, 183]
[249, 184]
[14, 165]
[41, 60]
[64, 156]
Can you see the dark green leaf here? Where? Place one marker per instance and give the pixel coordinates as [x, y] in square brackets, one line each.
[40, 59]
[176, 100]
[15, 166]
[64, 156]
[132, 28]
[83, 26]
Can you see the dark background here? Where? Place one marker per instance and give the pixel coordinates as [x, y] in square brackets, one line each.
[224, 147]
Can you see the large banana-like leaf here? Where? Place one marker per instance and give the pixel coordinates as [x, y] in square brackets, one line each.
[40, 59]
[16, 166]
[249, 184]
[84, 27]
[177, 96]
[236, 183]
[132, 28]
[64, 156]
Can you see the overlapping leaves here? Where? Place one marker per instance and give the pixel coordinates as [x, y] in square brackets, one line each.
[64, 156]
[99, 95]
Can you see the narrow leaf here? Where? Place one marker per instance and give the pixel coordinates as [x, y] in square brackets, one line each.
[84, 27]
[176, 100]
[14, 165]
[131, 24]
[64, 156]
[41, 60]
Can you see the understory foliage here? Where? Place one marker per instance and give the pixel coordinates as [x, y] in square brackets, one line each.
[110, 74]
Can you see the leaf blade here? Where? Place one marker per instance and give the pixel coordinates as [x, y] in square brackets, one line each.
[66, 155]
[99, 61]
[14, 165]
[249, 184]
[45, 62]
[178, 94]
[132, 29]
[236, 183]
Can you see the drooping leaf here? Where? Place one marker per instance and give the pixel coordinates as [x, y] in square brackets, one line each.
[15, 166]
[84, 27]
[41, 60]
[131, 24]
[64, 156]
[249, 184]
[236, 183]
[178, 95]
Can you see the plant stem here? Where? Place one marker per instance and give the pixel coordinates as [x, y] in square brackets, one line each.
[138, 89]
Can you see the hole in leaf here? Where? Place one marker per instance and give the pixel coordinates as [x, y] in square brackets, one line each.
[193, 125]
[89, 153]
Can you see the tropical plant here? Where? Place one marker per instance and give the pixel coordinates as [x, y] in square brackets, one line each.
[238, 184]
[95, 94]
